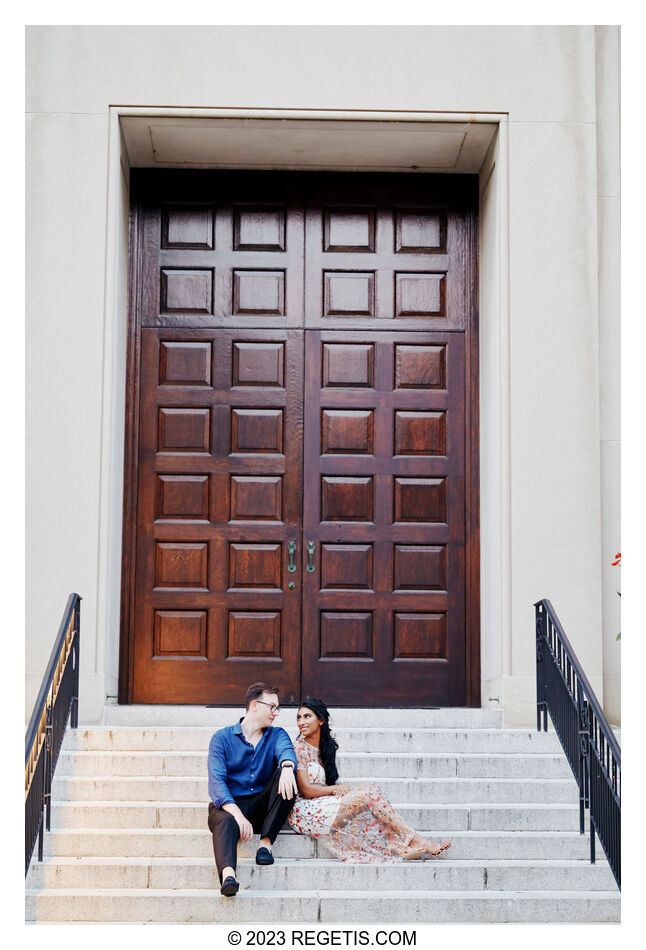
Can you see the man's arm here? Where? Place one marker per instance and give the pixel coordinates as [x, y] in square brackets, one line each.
[286, 757]
[219, 792]
[284, 749]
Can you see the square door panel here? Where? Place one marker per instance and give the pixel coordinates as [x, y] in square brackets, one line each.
[347, 432]
[347, 499]
[346, 634]
[184, 430]
[420, 295]
[188, 227]
[258, 291]
[253, 634]
[348, 294]
[182, 498]
[184, 364]
[180, 565]
[256, 498]
[258, 228]
[420, 499]
[348, 229]
[180, 633]
[419, 567]
[420, 636]
[346, 567]
[253, 566]
[420, 231]
[420, 367]
[186, 291]
[420, 433]
[349, 365]
[257, 430]
[259, 364]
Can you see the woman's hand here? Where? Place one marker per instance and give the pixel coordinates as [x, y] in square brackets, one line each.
[341, 790]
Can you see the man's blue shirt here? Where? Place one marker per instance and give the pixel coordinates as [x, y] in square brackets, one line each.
[237, 768]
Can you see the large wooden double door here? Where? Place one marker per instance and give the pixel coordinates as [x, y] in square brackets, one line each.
[301, 473]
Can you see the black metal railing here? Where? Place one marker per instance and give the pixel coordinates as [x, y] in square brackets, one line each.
[56, 703]
[563, 690]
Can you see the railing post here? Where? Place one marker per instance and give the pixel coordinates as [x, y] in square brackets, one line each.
[540, 678]
[47, 782]
[74, 714]
[584, 758]
[41, 832]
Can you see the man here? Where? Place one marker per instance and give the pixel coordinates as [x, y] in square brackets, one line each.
[252, 784]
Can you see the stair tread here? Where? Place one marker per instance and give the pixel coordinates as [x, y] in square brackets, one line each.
[494, 730]
[574, 835]
[521, 806]
[324, 893]
[332, 863]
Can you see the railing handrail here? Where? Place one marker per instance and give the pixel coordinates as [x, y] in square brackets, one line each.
[583, 680]
[56, 706]
[563, 692]
[41, 699]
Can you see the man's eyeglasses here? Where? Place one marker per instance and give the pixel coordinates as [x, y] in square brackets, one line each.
[274, 708]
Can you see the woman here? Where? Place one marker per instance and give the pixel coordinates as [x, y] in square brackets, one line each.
[356, 824]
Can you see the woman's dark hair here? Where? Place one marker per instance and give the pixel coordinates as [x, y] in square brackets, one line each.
[327, 744]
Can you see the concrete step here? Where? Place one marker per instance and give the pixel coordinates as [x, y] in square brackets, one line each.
[130, 843]
[179, 757]
[180, 842]
[428, 790]
[350, 764]
[443, 817]
[444, 874]
[356, 739]
[130, 905]
[217, 716]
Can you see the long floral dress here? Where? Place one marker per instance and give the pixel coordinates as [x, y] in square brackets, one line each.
[360, 827]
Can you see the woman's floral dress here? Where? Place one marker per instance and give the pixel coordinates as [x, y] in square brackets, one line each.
[360, 827]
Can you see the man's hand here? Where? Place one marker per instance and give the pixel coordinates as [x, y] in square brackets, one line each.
[287, 786]
[245, 826]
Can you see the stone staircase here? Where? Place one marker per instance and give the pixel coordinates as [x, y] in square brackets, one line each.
[129, 841]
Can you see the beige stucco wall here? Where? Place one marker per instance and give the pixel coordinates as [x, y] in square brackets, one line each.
[540, 302]
[609, 239]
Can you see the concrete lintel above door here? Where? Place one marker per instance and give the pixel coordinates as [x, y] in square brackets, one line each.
[450, 145]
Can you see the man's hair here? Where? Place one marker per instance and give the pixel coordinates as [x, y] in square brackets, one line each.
[255, 691]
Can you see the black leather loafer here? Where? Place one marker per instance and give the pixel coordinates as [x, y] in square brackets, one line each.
[264, 856]
[229, 887]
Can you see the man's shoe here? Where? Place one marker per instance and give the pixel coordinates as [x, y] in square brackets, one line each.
[229, 887]
[264, 856]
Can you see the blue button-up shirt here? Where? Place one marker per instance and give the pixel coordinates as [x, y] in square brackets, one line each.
[237, 768]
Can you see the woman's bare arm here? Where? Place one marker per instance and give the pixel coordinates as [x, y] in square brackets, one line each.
[309, 790]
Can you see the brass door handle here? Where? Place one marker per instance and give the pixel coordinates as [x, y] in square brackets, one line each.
[291, 548]
[310, 562]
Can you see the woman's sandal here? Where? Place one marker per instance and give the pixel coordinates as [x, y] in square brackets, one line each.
[422, 854]
[417, 855]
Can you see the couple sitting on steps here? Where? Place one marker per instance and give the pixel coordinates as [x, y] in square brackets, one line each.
[257, 779]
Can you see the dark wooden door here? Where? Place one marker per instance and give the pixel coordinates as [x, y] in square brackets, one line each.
[218, 392]
[219, 502]
[302, 481]
[384, 615]
[384, 607]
